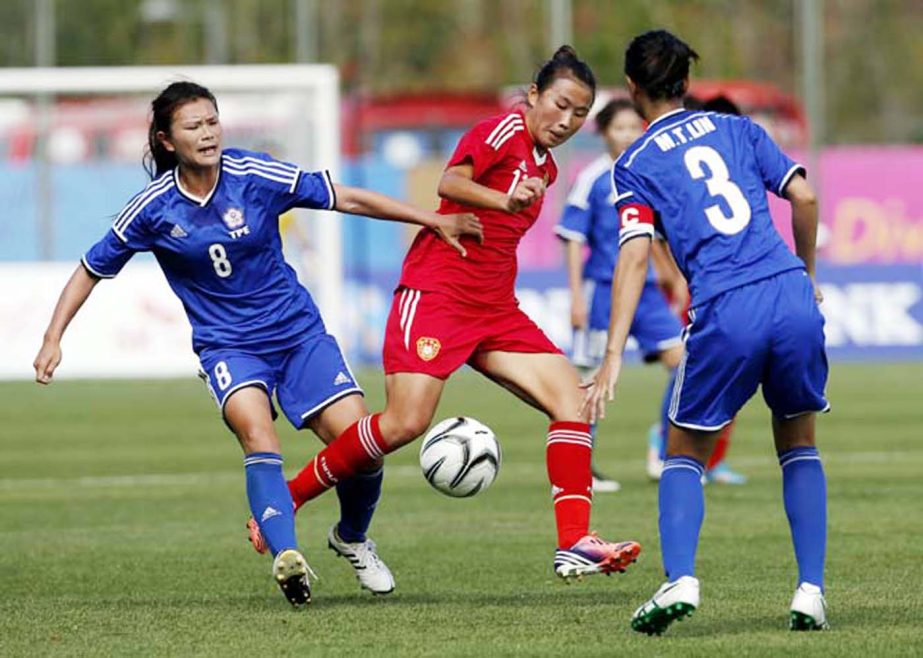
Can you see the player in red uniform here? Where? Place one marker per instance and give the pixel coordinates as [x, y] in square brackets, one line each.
[450, 310]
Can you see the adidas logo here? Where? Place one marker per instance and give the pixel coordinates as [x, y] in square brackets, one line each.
[178, 232]
[270, 512]
[342, 378]
[522, 165]
[555, 490]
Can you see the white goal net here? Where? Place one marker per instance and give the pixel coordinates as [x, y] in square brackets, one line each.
[71, 145]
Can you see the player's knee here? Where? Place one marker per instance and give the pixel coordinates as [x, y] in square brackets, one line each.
[399, 429]
[256, 438]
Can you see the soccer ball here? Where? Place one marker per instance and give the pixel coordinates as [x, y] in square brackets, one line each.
[460, 457]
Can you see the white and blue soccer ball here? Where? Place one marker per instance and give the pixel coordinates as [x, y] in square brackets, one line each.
[460, 457]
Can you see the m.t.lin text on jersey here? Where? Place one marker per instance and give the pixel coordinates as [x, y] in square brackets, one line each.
[687, 132]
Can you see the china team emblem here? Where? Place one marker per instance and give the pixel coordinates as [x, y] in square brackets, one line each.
[428, 348]
[233, 218]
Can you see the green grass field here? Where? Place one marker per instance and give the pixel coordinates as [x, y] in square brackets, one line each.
[122, 517]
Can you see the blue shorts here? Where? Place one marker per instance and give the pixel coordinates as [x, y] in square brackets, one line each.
[305, 378]
[769, 332]
[654, 327]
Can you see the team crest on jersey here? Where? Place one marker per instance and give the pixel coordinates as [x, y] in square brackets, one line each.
[428, 348]
[233, 218]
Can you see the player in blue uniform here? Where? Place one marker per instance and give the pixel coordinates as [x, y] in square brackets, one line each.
[590, 220]
[700, 180]
[210, 217]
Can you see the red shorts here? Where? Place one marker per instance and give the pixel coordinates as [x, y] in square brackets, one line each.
[433, 334]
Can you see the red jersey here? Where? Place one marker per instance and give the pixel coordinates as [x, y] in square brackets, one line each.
[502, 153]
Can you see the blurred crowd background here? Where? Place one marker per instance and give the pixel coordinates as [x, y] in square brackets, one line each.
[839, 83]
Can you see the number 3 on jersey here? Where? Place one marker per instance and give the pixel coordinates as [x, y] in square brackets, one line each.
[220, 260]
[719, 184]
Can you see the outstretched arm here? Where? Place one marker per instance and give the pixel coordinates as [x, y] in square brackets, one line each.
[804, 224]
[73, 296]
[457, 184]
[627, 284]
[358, 201]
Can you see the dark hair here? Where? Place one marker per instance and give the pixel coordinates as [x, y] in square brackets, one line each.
[658, 63]
[722, 104]
[605, 116]
[691, 102]
[158, 159]
[565, 62]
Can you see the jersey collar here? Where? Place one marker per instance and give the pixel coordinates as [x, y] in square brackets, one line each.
[199, 201]
[671, 113]
[539, 157]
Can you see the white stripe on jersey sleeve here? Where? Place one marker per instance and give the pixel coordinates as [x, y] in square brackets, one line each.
[123, 221]
[500, 127]
[328, 181]
[636, 231]
[269, 165]
[570, 235]
[788, 176]
[83, 261]
[509, 132]
[248, 170]
[152, 187]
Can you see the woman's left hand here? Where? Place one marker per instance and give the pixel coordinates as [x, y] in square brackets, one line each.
[452, 227]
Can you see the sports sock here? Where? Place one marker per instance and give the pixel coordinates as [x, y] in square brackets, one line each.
[664, 413]
[355, 450]
[568, 456]
[682, 510]
[358, 498]
[804, 490]
[270, 501]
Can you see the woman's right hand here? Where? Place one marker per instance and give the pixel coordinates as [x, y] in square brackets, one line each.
[527, 192]
[47, 360]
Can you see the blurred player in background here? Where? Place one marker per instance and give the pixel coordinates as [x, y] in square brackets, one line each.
[700, 180]
[589, 220]
[210, 217]
[449, 311]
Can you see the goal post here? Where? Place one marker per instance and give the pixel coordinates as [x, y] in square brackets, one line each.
[60, 125]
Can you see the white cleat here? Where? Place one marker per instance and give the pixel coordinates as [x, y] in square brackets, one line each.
[372, 573]
[290, 570]
[673, 601]
[808, 609]
[602, 484]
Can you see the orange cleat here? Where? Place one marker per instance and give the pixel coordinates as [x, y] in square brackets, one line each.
[256, 537]
[592, 555]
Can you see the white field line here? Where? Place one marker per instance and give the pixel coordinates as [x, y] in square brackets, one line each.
[401, 471]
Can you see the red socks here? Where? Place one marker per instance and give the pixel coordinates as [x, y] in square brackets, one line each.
[356, 449]
[568, 454]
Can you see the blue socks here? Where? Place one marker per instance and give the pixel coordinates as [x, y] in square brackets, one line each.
[358, 498]
[804, 490]
[682, 510]
[270, 502]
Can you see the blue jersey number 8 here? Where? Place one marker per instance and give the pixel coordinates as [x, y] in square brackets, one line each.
[719, 184]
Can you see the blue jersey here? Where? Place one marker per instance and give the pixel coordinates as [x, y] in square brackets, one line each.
[222, 255]
[589, 217]
[700, 179]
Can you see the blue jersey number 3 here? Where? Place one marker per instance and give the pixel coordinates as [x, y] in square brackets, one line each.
[719, 184]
